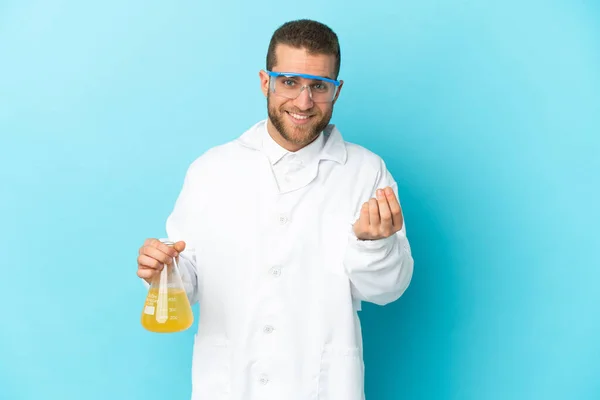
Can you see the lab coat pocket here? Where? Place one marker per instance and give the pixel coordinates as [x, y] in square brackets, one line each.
[342, 374]
[211, 368]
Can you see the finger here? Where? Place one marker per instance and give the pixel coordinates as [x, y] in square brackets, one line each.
[374, 213]
[146, 273]
[395, 208]
[157, 254]
[157, 244]
[385, 213]
[164, 248]
[364, 219]
[148, 262]
[361, 226]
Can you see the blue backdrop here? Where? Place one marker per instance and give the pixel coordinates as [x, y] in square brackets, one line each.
[488, 115]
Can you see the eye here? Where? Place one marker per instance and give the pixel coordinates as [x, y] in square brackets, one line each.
[320, 87]
[289, 82]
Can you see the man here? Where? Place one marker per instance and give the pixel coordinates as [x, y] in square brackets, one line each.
[281, 234]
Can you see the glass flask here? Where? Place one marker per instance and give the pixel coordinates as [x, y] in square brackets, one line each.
[167, 308]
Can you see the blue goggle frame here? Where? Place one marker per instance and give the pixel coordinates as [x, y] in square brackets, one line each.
[307, 76]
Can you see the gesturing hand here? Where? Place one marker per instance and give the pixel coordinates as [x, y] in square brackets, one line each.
[379, 218]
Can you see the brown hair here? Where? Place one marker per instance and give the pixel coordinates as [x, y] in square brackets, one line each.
[311, 35]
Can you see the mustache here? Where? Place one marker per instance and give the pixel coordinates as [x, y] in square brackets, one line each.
[290, 108]
[311, 111]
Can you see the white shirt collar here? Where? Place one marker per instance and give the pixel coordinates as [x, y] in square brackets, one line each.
[332, 145]
[275, 152]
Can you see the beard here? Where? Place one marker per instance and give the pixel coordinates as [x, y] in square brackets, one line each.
[299, 135]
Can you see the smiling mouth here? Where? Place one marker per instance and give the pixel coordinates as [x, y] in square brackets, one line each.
[299, 117]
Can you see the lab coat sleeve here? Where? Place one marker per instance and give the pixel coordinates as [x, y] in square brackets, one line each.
[178, 227]
[379, 270]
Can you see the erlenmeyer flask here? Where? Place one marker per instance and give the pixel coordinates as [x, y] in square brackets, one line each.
[167, 308]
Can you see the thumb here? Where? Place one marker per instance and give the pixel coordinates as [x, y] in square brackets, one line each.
[179, 246]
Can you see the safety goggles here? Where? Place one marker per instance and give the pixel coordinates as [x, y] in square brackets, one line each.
[291, 84]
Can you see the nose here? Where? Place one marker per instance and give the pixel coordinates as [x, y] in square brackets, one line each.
[303, 101]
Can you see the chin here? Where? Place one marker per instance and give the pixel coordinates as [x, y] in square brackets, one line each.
[301, 134]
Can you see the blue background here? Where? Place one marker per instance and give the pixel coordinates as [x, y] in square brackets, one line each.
[488, 115]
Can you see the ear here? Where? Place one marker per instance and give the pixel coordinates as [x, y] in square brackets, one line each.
[338, 92]
[264, 82]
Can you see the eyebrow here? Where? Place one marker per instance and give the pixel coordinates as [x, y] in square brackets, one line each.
[316, 77]
[301, 77]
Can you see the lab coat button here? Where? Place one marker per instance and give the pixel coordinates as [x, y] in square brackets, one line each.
[268, 329]
[276, 272]
[283, 219]
[263, 379]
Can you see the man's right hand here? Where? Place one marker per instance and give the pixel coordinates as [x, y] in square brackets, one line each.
[153, 255]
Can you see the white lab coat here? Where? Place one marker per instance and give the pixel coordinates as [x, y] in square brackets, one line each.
[277, 271]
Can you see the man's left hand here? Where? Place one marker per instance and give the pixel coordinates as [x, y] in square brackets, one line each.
[379, 218]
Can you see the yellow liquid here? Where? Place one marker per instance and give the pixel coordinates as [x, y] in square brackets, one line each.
[178, 315]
